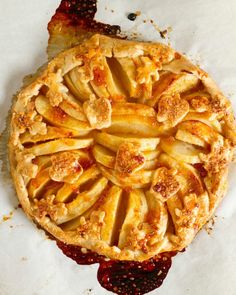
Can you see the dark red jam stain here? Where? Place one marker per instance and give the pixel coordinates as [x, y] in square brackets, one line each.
[134, 278]
[201, 170]
[81, 13]
[75, 253]
[124, 277]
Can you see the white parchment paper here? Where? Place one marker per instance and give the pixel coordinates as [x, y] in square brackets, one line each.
[204, 30]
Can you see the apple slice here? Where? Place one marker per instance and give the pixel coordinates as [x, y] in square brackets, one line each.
[181, 150]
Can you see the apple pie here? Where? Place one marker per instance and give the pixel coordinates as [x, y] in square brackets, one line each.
[122, 148]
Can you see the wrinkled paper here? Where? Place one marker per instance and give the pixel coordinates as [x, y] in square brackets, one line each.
[204, 30]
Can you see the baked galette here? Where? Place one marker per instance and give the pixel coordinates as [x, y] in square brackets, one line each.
[121, 147]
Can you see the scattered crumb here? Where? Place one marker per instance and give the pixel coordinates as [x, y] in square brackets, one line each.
[163, 33]
[138, 13]
[112, 10]
[19, 206]
[24, 258]
[132, 16]
[88, 291]
[7, 217]
[210, 225]
[132, 35]
[84, 250]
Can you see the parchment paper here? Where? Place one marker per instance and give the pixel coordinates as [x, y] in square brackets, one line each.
[204, 30]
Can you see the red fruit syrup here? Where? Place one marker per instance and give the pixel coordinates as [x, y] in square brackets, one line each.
[123, 277]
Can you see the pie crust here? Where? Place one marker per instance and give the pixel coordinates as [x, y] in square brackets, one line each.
[121, 147]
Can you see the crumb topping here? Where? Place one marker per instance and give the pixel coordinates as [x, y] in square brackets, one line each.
[65, 167]
[219, 157]
[92, 227]
[129, 159]
[46, 206]
[164, 184]
[30, 121]
[147, 72]
[171, 109]
[57, 91]
[200, 103]
[98, 112]
[25, 165]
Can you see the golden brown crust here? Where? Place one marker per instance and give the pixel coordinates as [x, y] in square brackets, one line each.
[122, 148]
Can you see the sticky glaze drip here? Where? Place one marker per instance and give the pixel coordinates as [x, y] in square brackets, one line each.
[123, 277]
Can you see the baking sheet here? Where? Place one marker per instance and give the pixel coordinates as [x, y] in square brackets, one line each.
[204, 30]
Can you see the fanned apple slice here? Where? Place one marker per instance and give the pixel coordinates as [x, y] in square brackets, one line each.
[38, 183]
[132, 109]
[134, 124]
[67, 189]
[52, 133]
[59, 145]
[181, 150]
[104, 83]
[57, 117]
[188, 137]
[109, 205]
[190, 180]
[171, 83]
[206, 118]
[113, 142]
[42, 162]
[99, 82]
[71, 107]
[83, 201]
[151, 165]
[114, 87]
[77, 84]
[125, 69]
[197, 133]
[157, 214]
[139, 179]
[136, 211]
[151, 155]
[103, 156]
[51, 189]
